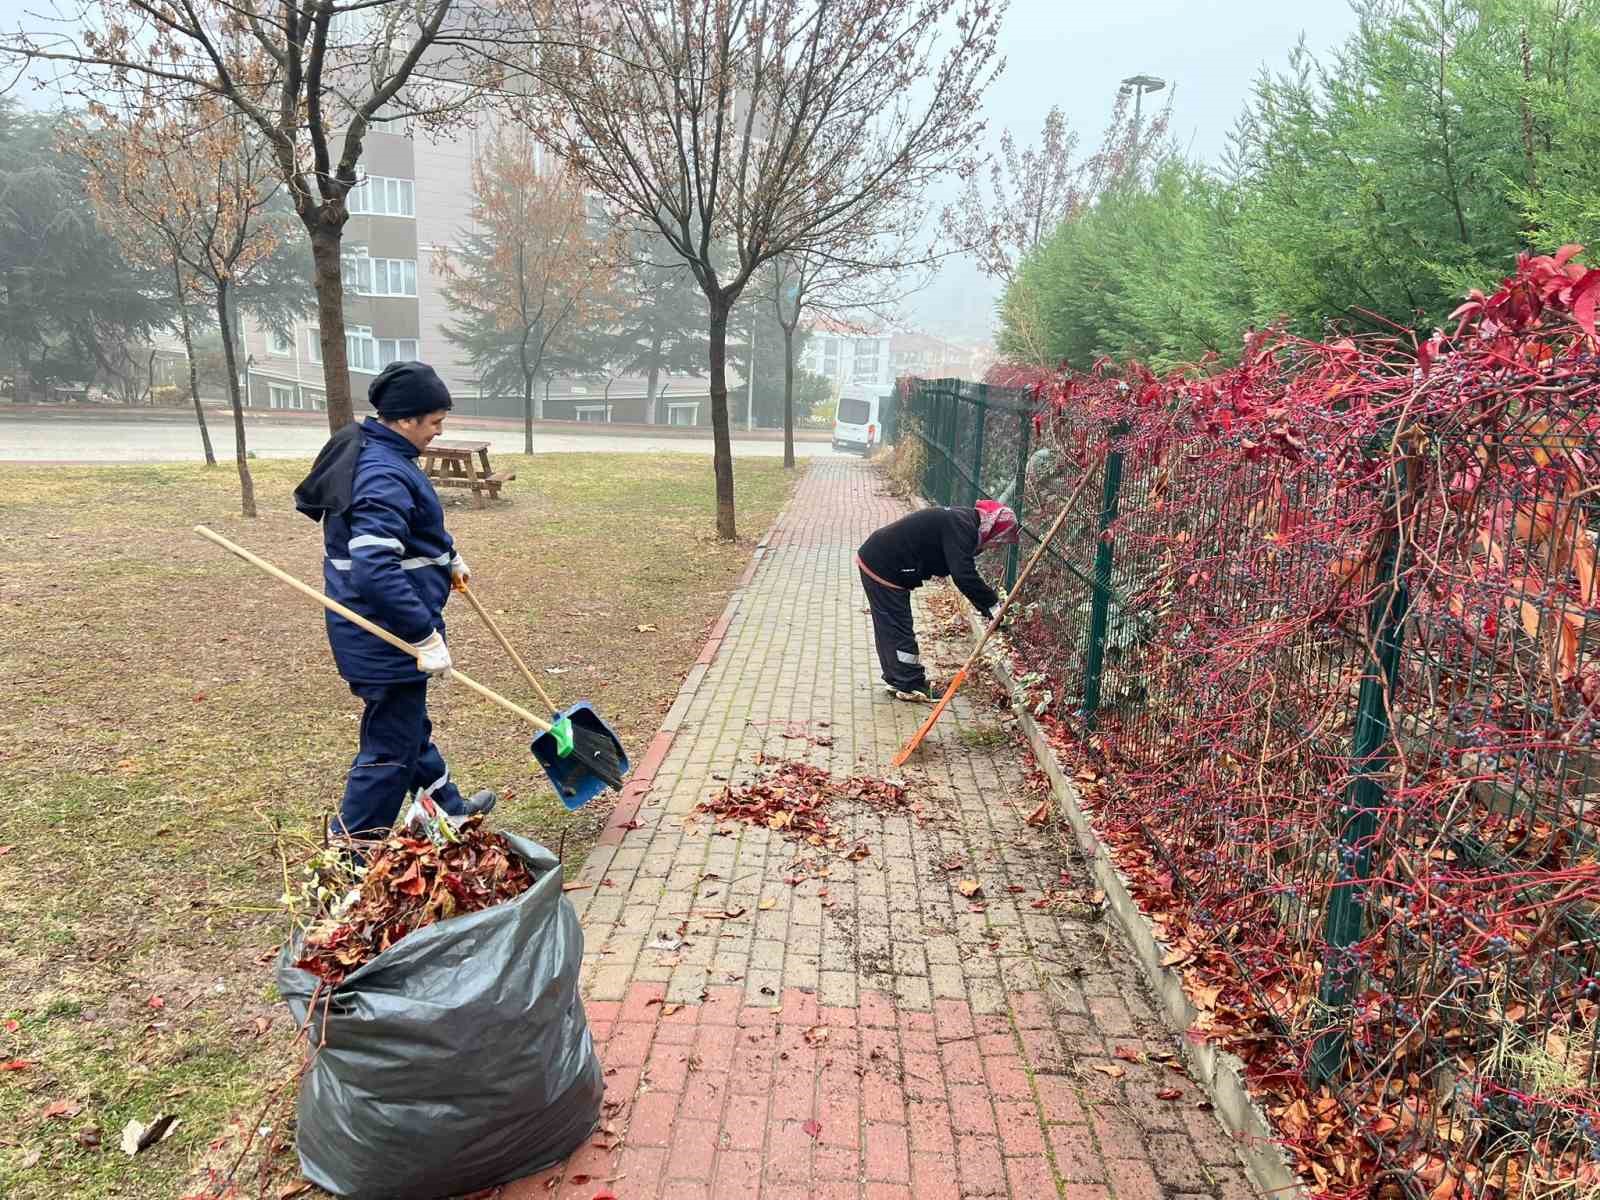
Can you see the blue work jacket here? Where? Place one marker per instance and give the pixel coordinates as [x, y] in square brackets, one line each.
[388, 558]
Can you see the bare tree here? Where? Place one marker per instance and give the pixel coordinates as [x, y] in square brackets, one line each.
[848, 287]
[203, 184]
[745, 130]
[1033, 190]
[314, 77]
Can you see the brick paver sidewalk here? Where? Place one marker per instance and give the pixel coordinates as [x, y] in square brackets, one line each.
[875, 1034]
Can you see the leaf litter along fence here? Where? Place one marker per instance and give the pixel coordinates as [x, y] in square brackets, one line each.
[1328, 637]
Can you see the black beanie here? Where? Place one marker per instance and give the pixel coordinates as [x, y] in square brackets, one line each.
[407, 389]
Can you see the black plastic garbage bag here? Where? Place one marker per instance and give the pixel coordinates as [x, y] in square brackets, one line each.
[457, 1059]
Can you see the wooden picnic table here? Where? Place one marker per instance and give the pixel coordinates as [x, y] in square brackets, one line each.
[450, 464]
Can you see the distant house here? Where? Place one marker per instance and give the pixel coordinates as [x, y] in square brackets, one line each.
[930, 357]
[846, 354]
[680, 400]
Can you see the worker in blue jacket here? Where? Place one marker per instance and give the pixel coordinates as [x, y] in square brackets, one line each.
[389, 559]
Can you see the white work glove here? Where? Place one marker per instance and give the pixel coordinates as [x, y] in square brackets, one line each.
[433, 656]
[460, 573]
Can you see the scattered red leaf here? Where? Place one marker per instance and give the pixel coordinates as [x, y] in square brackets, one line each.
[813, 1128]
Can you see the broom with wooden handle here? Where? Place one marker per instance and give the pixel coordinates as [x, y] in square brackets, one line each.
[600, 761]
[505, 644]
[899, 760]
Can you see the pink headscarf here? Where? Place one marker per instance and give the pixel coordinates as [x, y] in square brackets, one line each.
[997, 525]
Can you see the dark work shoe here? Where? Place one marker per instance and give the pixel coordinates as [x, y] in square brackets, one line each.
[479, 802]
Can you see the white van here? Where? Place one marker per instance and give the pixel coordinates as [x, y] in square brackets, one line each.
[858, 425]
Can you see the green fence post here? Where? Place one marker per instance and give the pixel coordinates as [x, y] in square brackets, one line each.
[952, 407]
[1013, 555]
[1345, 923]
[976, 487]
[1099, 603]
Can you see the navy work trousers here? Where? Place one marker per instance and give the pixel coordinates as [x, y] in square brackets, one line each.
[397, 756]
[894, 635]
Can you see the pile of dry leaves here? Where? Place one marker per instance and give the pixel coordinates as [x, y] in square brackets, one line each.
[793, 798]
[409, 884]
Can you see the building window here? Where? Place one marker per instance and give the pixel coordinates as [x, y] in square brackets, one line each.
[683, 414]
[866, 364]
[282, 396]
[830, 357]
[315, 401]
[347, 25]
[379, 276]
[393, 350]
[360, 349]
[592, 412]
[277, 343]
[314, 343]
[383, 196]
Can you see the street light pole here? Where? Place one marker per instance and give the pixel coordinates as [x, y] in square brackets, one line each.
[750, 384]
[1139, 85]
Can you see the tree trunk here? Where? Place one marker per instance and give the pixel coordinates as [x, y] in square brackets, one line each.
[328, 275]
[721, 446]
[527, 413]
[788, 398]
[21, 377]
[651, 381]
[247, 487]
[194, 374]
[527, 391]
[1528, 156]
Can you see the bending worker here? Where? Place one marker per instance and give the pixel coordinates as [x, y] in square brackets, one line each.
[905, 554]
[389, 559]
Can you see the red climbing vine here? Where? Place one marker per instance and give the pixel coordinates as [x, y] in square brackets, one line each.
[1348, 705]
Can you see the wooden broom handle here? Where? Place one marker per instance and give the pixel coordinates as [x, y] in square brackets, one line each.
[355, 618]
[1016, 587]
[899, 760]
[505, 644]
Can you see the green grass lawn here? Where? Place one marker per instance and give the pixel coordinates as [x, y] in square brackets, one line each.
[173, 727]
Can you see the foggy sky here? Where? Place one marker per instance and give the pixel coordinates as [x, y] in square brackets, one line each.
[1074, 54]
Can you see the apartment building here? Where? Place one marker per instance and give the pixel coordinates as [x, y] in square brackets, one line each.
[412, 204]
[846, 354]
[931, 357]
[383, 274]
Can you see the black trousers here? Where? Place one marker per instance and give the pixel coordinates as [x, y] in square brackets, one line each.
[895, 635]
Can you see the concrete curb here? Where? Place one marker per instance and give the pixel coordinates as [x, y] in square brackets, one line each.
[1221, 1074]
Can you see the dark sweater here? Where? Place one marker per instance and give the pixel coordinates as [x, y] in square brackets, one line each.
[930, 542]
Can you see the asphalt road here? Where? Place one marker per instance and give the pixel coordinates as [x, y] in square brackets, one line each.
[113, 441]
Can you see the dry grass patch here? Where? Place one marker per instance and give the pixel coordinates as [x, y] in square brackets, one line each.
[167, 707]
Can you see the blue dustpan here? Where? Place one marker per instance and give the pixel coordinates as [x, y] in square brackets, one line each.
[597, 760]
